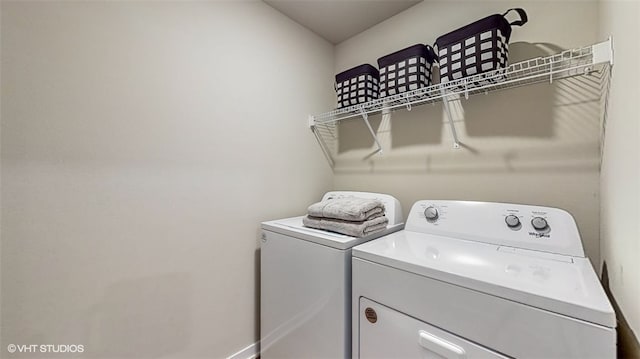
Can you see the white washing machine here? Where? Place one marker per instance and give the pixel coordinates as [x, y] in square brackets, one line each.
[480, 280]
[305, 280]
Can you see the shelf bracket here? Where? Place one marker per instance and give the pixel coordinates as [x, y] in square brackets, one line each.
[454, 134]
[365, 117]
[603, 52]
[406, 97]
[321, 142]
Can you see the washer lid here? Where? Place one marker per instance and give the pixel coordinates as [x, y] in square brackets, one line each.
[557, 283]
[293, 227]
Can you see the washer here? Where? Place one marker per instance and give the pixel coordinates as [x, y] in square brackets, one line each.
[305, 280]
[480, 280]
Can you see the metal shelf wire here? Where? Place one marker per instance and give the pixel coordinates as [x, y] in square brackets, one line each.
[566, 64]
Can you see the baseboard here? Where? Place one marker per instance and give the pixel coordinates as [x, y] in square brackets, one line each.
[250, 352]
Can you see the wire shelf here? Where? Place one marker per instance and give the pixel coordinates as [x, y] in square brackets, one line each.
[569, 63]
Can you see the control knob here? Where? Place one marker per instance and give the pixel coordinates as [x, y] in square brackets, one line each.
[431, 213]
[512, 221]
[539, 223]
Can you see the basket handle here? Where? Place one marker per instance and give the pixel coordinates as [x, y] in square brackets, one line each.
[432, 52]
[523, 16]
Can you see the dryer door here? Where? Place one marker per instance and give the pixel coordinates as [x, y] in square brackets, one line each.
[387, 333]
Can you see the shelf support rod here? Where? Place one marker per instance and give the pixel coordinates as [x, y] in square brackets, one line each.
[365, 117]
[406, 96]
[454, 134]
[321, 142]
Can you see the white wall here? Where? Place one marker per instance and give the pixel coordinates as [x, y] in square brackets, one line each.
[142, 144]
[536, 144]
[620, 196]
[135, 168]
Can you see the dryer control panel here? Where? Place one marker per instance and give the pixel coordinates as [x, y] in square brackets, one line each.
[537, 228]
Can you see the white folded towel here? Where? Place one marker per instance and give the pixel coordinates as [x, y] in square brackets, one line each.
[350, 228]
[348, 209]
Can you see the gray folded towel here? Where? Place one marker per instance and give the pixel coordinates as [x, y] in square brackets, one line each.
[348, 209]
[350, 228]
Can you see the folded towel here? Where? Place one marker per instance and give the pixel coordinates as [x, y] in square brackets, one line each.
[350, 228]
[348, 209]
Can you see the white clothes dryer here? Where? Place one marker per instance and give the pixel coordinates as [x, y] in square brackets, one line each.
[305, 281]
[480, 280]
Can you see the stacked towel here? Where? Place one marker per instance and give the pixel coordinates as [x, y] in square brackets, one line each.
[352, 216]
[350, 228]
[348, 209]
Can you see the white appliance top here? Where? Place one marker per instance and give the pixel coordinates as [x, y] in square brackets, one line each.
[477, 245]
[293, 226]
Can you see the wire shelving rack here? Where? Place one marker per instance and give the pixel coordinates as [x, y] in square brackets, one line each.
[569, 63]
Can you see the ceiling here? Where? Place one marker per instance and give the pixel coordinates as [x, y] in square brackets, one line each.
[338, 20]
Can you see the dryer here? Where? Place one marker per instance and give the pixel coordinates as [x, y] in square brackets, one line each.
[305, 281]
[480, 280]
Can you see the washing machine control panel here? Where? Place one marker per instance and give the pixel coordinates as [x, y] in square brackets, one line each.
[520, 226]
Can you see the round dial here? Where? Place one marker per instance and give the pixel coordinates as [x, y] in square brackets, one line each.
[512, 221]
[431, 213]
[539, 223]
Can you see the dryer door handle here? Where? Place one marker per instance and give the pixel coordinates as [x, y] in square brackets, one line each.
[440, 346]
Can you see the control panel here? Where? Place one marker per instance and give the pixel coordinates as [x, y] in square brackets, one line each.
[537, 228]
